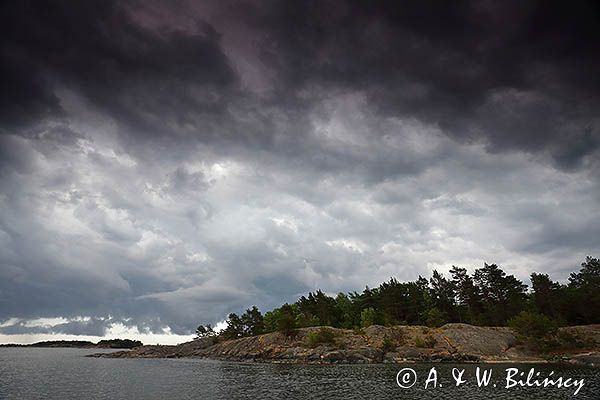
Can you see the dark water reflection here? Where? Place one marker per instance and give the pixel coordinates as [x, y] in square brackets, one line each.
[66, 374]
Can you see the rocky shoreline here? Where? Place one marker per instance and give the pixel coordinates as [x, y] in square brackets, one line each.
[379, 344]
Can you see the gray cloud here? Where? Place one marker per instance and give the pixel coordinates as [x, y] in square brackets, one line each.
[511, 76]
[162, 166]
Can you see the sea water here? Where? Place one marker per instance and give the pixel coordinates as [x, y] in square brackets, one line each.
[37, 373]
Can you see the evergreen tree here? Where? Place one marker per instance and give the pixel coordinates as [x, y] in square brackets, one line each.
[286, 322]
[443, 296]
[468, 302]
[235, 327]
[368, 317]
[584, 293]
[548, 297]
[253, 322]
[488, 297]
[503, 296]
[204, 331]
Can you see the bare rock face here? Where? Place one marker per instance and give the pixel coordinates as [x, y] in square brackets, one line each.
[591, 359]
[584, 335]
[376, 344]
[365, 355]
[476, 340]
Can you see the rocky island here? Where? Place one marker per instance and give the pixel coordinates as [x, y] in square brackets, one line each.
[378, 344]
[82, 344]
[551, 323]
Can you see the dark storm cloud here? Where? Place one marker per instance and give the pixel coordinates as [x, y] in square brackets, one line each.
[163, 164]
[144, 79]
[91, 326]
[514, 75]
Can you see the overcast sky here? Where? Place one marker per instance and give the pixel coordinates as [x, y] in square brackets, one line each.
[165, 163]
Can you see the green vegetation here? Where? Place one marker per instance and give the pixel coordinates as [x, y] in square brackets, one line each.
[119, 343]
[388, 345]
[568, 341]
[251, 323]
[287, 321]
[205, 331]
[535, 329]
[425, 342]
[368, 317]
[435, 318]
[358, 331]
[322, 336]
[533, 325]
[488, 296]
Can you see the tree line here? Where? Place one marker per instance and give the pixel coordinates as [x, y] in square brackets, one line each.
[488, 296]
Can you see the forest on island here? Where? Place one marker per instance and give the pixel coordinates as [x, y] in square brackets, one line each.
[487, 297]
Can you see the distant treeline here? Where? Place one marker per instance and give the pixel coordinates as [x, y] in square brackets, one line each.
[119, 343]
[488, 297]
[104, 344]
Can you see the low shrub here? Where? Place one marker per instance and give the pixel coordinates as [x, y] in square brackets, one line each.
[425, 342]
[368, 317]
[533, 325]
[322, 336]
[388, 345]
[566, 340]
[535, 329]
[436, 318]
[358, 331]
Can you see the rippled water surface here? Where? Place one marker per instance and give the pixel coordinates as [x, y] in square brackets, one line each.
[66, 374]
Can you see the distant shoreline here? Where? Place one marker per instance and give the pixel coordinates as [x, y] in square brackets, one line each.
[81, 344]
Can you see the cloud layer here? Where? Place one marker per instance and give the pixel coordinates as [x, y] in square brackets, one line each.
[164, 164]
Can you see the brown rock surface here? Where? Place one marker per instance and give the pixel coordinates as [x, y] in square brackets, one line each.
[375, 344]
